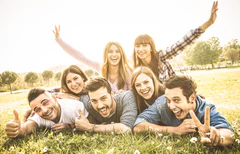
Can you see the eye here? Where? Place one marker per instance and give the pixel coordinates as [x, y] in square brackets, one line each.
[37, 110]
[45, 102]
[146, 82]
[104, 98]
[68, 82]
[137, 85]
[110, 51]
[94, 101]
[168, 101]
[145, 45]
[137, 46]
[117, 51]
[176, 100]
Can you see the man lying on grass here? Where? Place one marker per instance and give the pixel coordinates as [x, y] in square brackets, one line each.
[57, 114]
[113, 113]
[182, 111]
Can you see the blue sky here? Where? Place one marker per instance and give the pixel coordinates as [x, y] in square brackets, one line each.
[27, 42]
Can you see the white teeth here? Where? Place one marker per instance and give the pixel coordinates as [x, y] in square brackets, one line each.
[176, 111]
[145, 92]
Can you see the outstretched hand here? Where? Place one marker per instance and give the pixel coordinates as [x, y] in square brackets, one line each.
[209, 135]
[56, 32]
[13, 128]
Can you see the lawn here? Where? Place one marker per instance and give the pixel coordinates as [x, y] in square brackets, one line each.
[221, 87]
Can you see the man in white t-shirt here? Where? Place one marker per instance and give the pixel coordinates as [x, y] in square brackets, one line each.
[57, 114]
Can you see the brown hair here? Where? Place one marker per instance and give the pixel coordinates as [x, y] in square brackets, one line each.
[72, 69]
[146, 39]
[97, 82]
[158, 88]
[184, 82]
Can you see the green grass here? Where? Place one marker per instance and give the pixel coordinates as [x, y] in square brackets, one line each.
[220, 88]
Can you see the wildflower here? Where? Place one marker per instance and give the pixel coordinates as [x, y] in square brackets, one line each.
[114, 139]
[11, 148]
[152, 142]
[112, 133]
[45, 149]
[160, 135]
[232, 136]
[238, 141]
[136, 152]
[157, 130]
[193, 140]
[150, 127]
[169, 148]
[222, 138]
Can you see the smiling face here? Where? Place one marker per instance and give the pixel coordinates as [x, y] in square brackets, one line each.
[114, 55]
[103, 102]
[46, 106]
[74, 82]
[144, 86]
[178, 103]
[143, 51]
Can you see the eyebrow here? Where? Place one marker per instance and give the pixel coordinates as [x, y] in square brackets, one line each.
[40, 102]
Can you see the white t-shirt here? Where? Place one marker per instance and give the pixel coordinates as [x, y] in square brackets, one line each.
[69, 110]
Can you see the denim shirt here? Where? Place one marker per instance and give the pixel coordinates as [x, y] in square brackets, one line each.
[160, 114]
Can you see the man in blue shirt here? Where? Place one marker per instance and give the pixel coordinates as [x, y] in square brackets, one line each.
[182, 111]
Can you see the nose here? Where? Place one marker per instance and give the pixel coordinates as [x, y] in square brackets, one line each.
[171, 105]
[44, 110]
[100, 104]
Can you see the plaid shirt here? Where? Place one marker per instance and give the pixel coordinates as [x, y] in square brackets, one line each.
[166, 70]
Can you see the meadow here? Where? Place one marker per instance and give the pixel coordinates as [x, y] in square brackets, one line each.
[220, 87]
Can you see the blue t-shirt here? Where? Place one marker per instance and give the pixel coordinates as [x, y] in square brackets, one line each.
[160, 114]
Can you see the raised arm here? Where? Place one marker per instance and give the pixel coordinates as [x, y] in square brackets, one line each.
[212, 18]
[190, 37]
[75, 53]
[14, 128]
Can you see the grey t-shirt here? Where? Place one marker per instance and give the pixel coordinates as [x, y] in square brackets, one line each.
[126, 110]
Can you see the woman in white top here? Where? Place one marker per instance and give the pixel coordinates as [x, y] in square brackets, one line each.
[115, 67]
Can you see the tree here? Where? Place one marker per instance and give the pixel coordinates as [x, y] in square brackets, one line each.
[203, 53]
[47, 75]
[57, 76]
[0, 79]
[231, 50]
[8, 78]
[31, 78]
[215, 50]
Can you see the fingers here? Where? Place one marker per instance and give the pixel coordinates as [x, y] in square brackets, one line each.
[195, 119]
[11, 129]
[215, 136]
[80, 113]
[207, 117]
[15, 115]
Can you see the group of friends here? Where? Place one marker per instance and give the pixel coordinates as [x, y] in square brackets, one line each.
[146, 97]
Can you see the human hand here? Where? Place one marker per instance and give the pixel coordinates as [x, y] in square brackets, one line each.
[56, 32]
[28, 113]
[187, 126]
[82, 123]
[60, 126]
[213, 15]
[13, 128]
[209, 135]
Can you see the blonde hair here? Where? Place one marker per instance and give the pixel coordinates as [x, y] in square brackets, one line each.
[124, 65]
[158, 87]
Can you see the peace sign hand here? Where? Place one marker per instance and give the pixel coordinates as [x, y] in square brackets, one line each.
[209, 135]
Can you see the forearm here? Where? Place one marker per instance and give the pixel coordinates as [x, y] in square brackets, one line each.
[109, 128]
[205, 25]
[146, 126]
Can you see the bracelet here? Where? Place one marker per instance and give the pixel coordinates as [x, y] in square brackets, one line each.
[93, 128]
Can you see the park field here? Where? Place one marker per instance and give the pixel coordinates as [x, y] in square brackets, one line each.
[220, 87]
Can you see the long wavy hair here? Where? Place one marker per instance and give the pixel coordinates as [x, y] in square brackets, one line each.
[158, 87]
[153, 65]
[124, 65]
[76, 70]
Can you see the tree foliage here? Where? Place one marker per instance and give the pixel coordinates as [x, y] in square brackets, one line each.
[31, 78]
[47, 75]
[57, 76]
[231, 50]
[203, 52]
[8, 78]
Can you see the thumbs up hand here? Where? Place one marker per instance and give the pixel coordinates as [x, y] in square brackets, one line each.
[82, 123]
[12, 128]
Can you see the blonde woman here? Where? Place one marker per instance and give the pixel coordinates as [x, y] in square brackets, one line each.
[115, 67]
